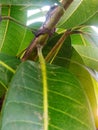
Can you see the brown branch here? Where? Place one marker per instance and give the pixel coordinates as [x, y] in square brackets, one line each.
[49, 24]
[58, 13]
[37, 40]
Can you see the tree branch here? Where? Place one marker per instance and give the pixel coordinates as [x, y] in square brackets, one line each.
[49, 25]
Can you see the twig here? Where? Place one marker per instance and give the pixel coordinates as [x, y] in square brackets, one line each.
[50, 23]
[57, 47]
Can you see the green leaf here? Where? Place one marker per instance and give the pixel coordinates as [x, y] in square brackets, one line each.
[89, 85]
[68, 106]
[88, 37]
[77, 67]
[64, 52]
[8, 65]
[29, 2]
[91, 35]
[78, 39]
[13, 37]
[89, 55]
[2, 90]
[78, 13]
[93, 20]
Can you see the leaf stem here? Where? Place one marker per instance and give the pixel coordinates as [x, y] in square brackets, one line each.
[6, 66]
[45, 86]
[5, 87]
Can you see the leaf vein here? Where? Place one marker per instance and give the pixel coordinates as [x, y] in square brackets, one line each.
[89, 58]
[21, 121]
[22, 102]
[55, 127]
[65, 82]
[7, 67]
[33, 90]
[9, 11]
[69, 115]
[74, 100]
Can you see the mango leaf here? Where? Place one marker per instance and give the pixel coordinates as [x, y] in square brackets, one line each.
[29, 2]
[80, 39]
[78, 13]
[96, 94]
[88, 38]
[8, 65]
[85, 76]
[64, 53]
[64, 57]
[90, 85]
[13, 37]
[65, 50]
[93, 20]
[89, 59]
[91, 35]
[66, 101]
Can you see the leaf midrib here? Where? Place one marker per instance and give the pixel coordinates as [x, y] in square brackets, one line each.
[6, 29]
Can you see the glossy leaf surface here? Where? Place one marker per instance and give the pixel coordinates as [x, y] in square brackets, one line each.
[8, 66]
[66, 101]
[89, 59]
[13, 37]
[89, 82]
[85, 76]
[93, 20]
[78, 13]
